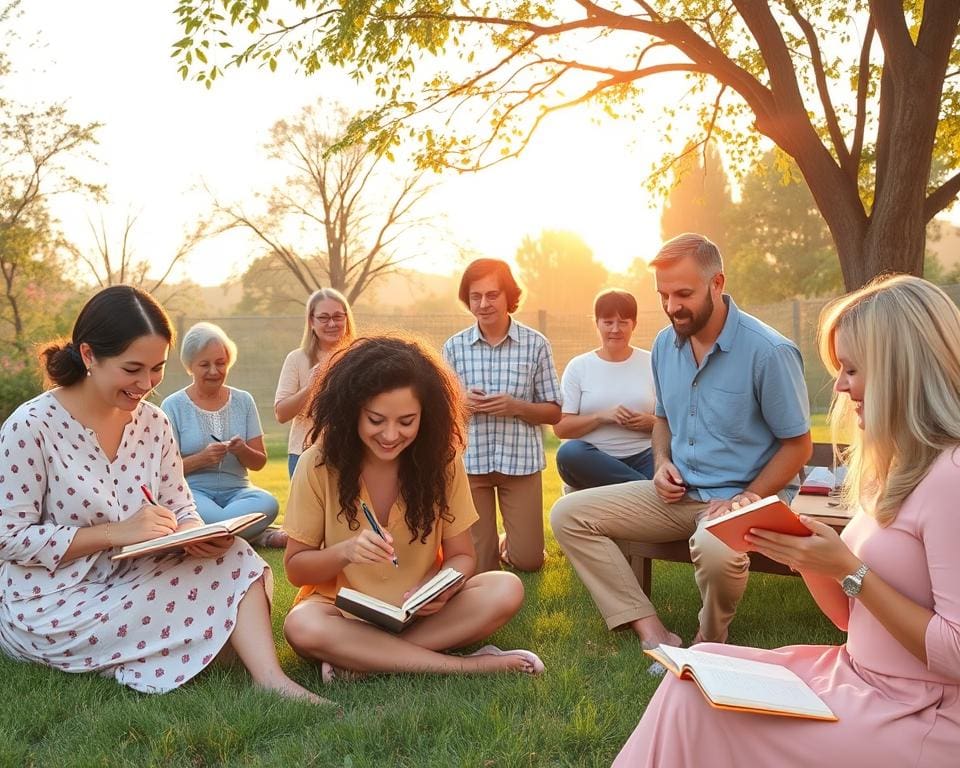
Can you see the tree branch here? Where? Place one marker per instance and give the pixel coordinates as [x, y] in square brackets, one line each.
[941, 197]
[891, 24]
[863, 87]
[816, 60]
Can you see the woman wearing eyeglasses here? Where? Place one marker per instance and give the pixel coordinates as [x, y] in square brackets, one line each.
[329, 325]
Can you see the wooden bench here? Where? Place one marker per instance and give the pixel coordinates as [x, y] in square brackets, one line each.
[641, 554]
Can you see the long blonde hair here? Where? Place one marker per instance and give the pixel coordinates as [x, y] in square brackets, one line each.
[903, 333]
[309, 343]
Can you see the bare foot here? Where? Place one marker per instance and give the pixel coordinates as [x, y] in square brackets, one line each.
[652, 633]
[669, 639]
[492, 659]
[291, 690]
[330, 673]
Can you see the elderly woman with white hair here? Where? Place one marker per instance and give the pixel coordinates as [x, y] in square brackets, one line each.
[220, 437]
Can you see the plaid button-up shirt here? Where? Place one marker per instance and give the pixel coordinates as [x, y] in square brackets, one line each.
[521, 365]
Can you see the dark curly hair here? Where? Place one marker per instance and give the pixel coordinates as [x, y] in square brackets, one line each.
[369, 367]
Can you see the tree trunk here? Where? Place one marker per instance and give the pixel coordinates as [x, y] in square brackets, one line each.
[893, 236]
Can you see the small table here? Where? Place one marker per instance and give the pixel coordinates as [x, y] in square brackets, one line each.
[825, 509]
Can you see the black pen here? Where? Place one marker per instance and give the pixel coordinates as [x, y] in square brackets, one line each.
[216, 438]
[376, 527]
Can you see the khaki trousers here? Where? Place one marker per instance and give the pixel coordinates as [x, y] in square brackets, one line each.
[586, 522]
[521, 505]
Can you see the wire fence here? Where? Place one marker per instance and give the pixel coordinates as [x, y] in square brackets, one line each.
[263, 343]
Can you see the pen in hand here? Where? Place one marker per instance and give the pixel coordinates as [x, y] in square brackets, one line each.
[147, 495]
[376, 528]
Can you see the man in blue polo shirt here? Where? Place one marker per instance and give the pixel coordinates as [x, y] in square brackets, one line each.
[733, 425]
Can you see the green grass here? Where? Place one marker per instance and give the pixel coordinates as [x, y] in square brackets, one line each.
[577, 714]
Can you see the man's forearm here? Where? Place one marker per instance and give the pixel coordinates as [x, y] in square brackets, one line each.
[660, 441]
[793, 453]
[538, 413]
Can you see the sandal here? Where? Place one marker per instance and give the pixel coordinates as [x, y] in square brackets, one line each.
[536, 665]
[273, 538]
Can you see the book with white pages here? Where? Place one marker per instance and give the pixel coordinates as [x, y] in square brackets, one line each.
[392, 617]
[171, 541]
[744, 685]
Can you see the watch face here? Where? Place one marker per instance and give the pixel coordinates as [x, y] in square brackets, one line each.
[851, 585]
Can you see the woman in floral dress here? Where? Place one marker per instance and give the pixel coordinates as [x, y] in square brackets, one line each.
[72, 462]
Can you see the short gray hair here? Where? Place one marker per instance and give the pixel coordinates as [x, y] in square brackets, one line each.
[199, 336]
[700, 248]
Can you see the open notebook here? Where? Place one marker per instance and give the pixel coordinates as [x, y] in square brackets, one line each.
[744, 685]
[391, 617]
[177, 540]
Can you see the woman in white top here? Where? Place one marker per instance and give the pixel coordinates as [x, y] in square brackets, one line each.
[608, 399]
[329, 326]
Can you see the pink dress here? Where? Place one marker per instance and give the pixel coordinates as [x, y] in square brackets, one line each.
[895, 712]
[153, 622]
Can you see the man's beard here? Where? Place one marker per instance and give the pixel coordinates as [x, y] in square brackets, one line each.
[696, 322]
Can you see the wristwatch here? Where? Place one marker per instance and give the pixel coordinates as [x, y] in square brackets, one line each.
[853, 583]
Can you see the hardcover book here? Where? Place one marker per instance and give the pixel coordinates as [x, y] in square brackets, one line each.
[177, 540]
[770, 514]
[744, 685]
[392, 617]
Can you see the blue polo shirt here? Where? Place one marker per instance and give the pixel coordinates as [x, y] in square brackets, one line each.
[728, 415]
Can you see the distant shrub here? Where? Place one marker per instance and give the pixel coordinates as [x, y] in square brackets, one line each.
[18, 383]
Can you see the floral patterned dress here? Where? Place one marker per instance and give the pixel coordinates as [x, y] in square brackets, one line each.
[153, 622]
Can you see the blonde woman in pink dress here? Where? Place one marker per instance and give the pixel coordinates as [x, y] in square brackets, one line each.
[891, 580]
[72, 463]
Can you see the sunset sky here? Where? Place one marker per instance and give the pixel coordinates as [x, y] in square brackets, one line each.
[162, 138]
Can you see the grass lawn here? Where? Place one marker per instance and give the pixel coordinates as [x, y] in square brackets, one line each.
[577, 714]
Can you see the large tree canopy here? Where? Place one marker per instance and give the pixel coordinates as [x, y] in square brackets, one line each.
[863, 94]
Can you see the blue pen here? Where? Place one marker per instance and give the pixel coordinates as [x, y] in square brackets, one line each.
[376, 528]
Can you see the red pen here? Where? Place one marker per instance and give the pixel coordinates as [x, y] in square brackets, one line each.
[147, 495]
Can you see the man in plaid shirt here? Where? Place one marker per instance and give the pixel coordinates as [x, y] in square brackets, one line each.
[511, 388]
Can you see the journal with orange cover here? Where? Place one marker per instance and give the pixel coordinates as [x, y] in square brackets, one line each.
[769, 514]
[744, 685]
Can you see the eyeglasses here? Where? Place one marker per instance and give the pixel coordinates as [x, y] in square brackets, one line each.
[337, 318]
[490, 296]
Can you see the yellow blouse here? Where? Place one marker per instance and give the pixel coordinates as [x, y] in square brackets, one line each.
[312, 518]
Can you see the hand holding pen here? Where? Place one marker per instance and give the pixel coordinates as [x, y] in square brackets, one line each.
[149, 522]
[216, 451]
[379, 531]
